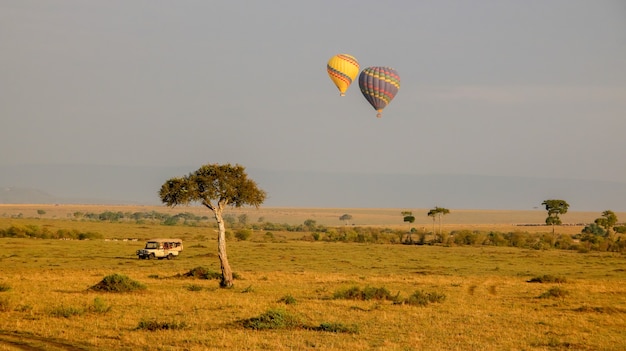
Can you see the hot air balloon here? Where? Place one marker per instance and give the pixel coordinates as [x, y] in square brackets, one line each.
[342, 70]
[379, 85]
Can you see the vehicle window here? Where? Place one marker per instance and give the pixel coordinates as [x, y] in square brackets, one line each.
[151, 245]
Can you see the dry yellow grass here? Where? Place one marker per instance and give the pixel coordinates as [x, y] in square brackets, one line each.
[489, 304]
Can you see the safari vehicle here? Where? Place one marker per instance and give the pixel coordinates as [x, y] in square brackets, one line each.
[161, 248]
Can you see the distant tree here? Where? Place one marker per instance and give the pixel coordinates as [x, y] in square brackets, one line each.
[310, 224]
[41, 212]
[438, 212]
[607, 221]
[555, 208]
[215, 187]
[243, 219]
[407, 216]
[345, 218]
[593, 229]
[230, 219]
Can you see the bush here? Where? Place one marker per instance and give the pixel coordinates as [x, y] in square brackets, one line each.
[420, 298]
[4, 287]
[202, 273]
[337, 328]
[274, 319]
[243, 234]
[554, 292]
[369, 293]
[153, 325]
[100, 306]
[546, 278]
[117, 283]
[287, 300]
[67, 311]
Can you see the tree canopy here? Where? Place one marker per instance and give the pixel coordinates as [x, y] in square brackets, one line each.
[213, 186]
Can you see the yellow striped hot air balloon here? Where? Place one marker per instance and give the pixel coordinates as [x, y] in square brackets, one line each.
[342, 70]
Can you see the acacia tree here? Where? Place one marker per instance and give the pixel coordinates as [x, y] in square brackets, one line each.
[407, 216]
[607, 221]
[438, 212]
[555, 208]
[215, 187]
[345, 218]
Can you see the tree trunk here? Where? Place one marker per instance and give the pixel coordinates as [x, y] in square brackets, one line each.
[227, 273]
[434, 226]
[440, 234]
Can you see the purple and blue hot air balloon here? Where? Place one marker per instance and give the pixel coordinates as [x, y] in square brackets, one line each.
[379, 85]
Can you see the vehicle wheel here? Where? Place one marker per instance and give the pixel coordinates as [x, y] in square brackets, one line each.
[170, 256]
[151, 257]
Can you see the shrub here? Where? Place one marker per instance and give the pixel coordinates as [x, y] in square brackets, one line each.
[100, 306]
[243, 234]
[287, 300]
[420, 298]
[337, 328]
[274, 319]
[546, 278]
[67, 311]
[117, 283]
[369, 293]
[194, 287]
[553, 292]
[153, 325]
[202, 273]
[4, 287]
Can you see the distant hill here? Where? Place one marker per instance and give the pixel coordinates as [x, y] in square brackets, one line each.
[14, 195]
[139, 185]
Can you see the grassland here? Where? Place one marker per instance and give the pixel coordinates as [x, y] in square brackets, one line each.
[488, 304]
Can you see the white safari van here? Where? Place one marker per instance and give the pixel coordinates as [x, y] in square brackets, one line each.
[161, 248]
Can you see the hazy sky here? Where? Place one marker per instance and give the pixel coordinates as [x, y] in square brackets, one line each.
[515, 88]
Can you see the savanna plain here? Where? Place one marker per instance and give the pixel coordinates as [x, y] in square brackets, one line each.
[295, 292]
